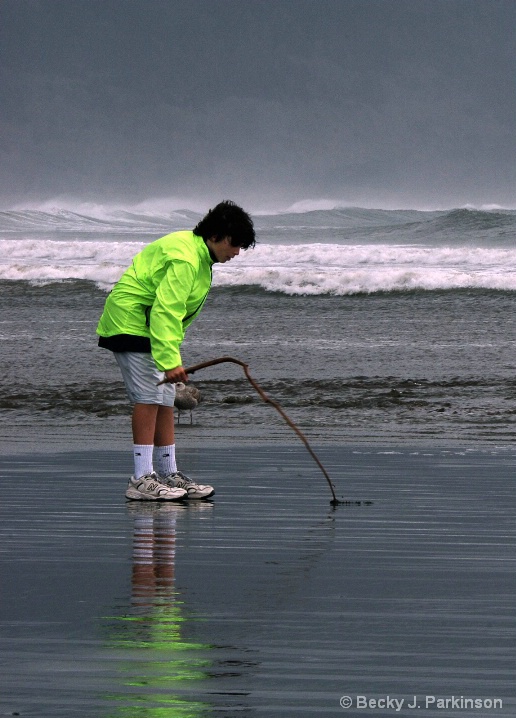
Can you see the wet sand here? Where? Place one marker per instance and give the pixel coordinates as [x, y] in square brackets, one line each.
[266, 601]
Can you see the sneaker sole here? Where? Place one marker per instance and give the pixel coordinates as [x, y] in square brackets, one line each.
[192, 497]
[135, 495]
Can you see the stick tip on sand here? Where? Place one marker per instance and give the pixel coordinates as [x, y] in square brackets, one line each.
[349, 502]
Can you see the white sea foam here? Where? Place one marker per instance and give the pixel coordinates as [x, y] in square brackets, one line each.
[290, 269]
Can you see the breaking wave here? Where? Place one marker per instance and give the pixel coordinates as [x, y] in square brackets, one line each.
[338, 251]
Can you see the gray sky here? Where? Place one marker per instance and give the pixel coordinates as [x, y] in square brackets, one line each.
[268, 102]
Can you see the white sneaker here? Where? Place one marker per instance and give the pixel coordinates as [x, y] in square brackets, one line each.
[150, 488]
[194, 491]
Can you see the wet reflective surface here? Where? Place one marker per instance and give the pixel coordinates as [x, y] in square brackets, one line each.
[379, 367]
[266, 601]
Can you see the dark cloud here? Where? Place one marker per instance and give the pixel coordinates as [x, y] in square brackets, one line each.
[402, 102]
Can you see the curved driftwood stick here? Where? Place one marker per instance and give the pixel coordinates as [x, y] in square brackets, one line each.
[267, 400]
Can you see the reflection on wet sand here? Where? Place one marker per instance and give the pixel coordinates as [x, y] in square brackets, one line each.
[155, 661]
[288, 604]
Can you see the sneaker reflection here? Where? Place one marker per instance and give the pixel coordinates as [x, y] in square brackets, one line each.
[159, 665]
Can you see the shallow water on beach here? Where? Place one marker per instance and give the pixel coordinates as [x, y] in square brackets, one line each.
[266, 601]
[386, 367]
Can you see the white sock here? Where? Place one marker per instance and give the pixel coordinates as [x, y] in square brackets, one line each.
[142, 459]
[165, 458]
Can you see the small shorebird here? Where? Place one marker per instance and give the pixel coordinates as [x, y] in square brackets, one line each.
[187, 398]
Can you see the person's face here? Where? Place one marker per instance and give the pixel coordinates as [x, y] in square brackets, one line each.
[223, 250]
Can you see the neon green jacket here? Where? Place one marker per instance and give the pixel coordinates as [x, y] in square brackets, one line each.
[160, 295]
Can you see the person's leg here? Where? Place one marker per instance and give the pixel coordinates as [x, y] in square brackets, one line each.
[164, 426]
[141, 378]
[153, 426]
[164, 439]
[165, 451]
[144, 423]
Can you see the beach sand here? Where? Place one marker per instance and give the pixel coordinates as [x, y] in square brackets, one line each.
[266, 601]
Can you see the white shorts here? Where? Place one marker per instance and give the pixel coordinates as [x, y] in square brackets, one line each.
[141, 376]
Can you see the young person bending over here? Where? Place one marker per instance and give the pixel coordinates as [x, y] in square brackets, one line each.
[144, 322]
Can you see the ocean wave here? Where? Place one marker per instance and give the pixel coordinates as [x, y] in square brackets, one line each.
[468, 220]
[104, 222]
[308, 217]
[369, 282]
[45, 260]
[307, 269]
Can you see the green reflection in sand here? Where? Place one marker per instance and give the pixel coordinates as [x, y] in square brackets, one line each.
[175, 708]
[147, 639]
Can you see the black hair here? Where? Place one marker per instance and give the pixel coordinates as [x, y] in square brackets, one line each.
[227, 220]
